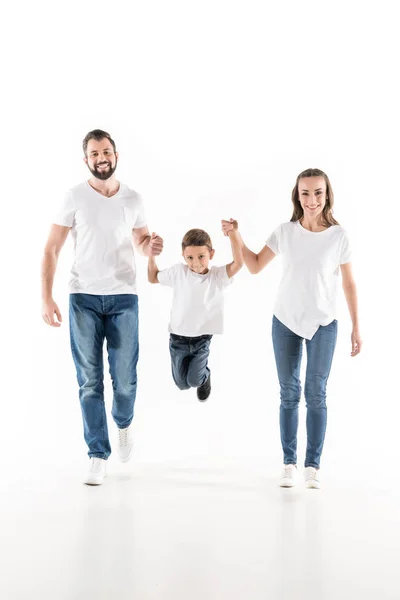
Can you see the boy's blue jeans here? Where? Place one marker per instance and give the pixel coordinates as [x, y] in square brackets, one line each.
[288, 349]
[189, 358]
[93, 319]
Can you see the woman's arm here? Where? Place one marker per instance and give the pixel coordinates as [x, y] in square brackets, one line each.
[350, 292]
[254, 262]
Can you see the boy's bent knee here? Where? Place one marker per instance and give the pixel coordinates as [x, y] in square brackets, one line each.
[196, 381]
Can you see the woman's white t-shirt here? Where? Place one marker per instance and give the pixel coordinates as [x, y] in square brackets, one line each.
[311, 260]
[198, 300]
[104, 261]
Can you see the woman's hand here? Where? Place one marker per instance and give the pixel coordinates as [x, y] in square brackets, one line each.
[356, 342]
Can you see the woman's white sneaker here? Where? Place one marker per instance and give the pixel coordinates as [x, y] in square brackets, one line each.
[125, 443]
[97, 471]
[311, 476]
[289, 476]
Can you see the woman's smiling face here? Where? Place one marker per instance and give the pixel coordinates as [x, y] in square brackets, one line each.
[312, 195]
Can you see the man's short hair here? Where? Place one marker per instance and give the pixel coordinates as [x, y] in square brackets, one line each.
[98, 135]
[196, 237]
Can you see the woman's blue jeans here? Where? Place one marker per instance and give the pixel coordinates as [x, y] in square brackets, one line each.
[288, 348]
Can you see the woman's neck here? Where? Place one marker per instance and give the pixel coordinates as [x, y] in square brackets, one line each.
[313, 224]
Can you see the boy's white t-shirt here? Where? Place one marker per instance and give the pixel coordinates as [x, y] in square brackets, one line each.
[311, 260]
[104, 261]
[198, 300]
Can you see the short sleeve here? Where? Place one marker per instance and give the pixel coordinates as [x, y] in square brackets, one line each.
[66, 213]
[141, 217]
[274, 240]
[221, 277]
[168, 276]
[345, 249]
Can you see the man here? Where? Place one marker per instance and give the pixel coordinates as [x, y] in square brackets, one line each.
[104, 217]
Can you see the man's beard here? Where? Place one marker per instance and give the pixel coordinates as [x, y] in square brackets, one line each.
[103, 175]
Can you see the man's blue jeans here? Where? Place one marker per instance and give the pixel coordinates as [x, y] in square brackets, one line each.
[189, 358]
[288, 349]
[94, 319]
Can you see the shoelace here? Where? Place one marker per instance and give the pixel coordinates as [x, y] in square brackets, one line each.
[312, 475]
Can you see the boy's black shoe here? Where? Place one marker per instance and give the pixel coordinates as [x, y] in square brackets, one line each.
[204, 390]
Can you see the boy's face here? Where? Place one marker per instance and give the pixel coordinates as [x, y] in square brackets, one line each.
[197, 258]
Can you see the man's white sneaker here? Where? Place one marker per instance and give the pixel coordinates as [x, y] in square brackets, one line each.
[97, 471]
[312, 478]
[289, 476]
[125, 443]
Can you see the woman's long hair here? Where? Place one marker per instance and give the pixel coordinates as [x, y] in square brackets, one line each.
[298, 212]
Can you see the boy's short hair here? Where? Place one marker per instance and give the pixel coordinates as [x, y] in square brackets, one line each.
[196, 237]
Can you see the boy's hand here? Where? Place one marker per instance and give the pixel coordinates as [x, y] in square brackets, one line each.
[228, 226]
[156, 244]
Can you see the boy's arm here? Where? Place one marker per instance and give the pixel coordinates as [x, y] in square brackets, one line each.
[237, 253]
[152, 270]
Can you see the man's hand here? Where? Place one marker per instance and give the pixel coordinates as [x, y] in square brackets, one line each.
[49, 309]
[228, 226]
[156, 244]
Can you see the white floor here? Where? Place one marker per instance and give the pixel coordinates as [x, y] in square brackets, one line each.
[197, 531]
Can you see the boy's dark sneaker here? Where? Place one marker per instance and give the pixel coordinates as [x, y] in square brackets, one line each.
[204, 390]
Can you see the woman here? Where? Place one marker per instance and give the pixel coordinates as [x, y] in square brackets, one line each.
[314, 248]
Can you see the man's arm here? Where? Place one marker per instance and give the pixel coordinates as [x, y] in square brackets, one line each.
[237, 263]
[148, 245]
[58, 235]
[152, 270]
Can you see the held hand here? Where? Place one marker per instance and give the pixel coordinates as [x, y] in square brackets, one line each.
[228, 226]
[155, 245]
[49, 309]
[356, 342]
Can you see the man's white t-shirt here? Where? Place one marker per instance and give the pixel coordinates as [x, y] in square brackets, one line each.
[104, 260]
[198, 300]
[311, 260]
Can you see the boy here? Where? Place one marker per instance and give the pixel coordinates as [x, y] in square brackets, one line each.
[197, 306]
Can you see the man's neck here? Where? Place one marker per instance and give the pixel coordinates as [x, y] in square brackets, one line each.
[105, 187]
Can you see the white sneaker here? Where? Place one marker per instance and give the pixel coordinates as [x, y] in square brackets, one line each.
[125, 443]
[289, 476]
[97, 471]
[312, 478]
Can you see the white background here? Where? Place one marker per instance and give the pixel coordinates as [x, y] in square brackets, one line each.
[215, 108]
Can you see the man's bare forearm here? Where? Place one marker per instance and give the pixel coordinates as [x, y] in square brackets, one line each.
[143, 247]
[49, 266]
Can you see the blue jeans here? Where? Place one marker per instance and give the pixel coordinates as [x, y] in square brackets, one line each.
[288, 348]
[94, 318]
[189, 358]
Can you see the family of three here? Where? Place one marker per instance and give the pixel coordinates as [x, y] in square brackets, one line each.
[107, 221]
